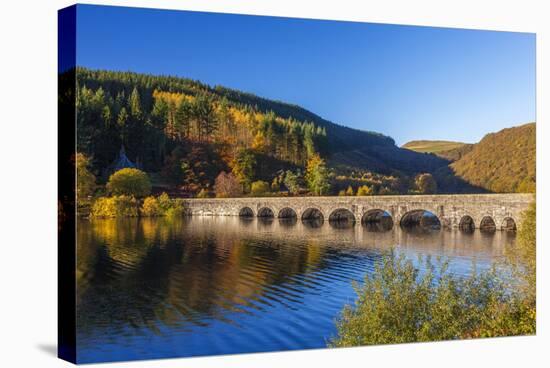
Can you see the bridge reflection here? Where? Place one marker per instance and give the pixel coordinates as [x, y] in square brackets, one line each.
[376, 219]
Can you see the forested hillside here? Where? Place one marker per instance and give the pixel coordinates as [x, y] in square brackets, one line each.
[502, 161]
[186, 133]
[455, 153]
[151, 116]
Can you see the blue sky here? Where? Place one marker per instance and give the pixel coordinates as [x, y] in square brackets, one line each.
[404, 81]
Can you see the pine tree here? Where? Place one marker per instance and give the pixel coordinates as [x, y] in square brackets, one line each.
[122, 117]
[135, 104]
[183, 117]
[205, 117]
[244, 167]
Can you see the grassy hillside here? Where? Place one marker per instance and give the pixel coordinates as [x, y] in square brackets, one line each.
[432, 146]
[502, 161]
[447, 150]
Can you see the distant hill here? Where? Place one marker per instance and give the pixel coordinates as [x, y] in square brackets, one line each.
[432, 146]
[455, 153]
[447, 150]
[501, 162]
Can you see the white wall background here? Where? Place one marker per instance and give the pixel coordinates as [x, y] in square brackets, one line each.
[28, 180]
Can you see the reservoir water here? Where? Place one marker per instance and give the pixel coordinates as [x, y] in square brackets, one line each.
[160, 288]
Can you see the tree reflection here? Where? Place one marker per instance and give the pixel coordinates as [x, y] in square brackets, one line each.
[148, 273]
[137, 272]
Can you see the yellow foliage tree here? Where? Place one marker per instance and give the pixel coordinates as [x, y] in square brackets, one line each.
[364, 190]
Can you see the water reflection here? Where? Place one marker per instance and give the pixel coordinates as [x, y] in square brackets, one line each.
[377, 220]
[151, 288]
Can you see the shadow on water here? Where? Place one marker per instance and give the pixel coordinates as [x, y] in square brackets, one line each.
[265, 221]
[287, 222]
[342, 224]
[313, 223]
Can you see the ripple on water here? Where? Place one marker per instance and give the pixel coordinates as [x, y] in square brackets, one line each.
[205, 286]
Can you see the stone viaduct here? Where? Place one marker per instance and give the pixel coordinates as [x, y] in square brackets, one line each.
[496, 211]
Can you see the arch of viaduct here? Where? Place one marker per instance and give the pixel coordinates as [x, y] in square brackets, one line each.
[451, 210]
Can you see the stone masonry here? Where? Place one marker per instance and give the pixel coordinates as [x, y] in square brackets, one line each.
[449, 209]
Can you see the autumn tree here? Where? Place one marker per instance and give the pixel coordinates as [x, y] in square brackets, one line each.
[364, 190]
[226, 185]
[85, 180]
[171, 171]
[276, 184]
[129, 181]
[292, 181]
[177, 171]
[259, 188]
[425, 183]
[317, 175]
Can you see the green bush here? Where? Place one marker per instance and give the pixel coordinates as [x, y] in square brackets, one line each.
[174, 211]
[128, 181]
[116, 206]
[397, 304]
[170, 207]
[259, 188]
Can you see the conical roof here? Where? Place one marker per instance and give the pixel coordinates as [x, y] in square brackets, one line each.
[122, 161]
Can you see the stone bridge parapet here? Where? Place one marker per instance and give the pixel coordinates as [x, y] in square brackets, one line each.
[451, 210]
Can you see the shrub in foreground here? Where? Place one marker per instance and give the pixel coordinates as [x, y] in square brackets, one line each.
[397, 304]
[522, 256]
[115, 206]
